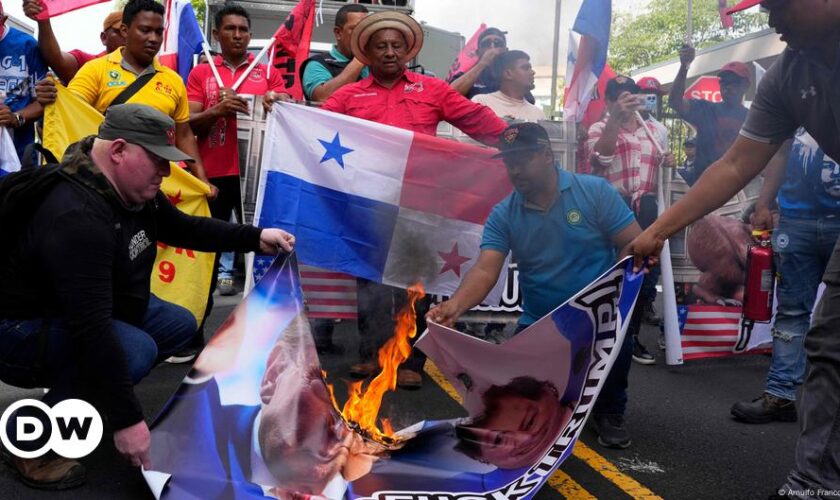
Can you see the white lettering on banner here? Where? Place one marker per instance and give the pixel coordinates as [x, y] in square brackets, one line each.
[511, 301]
[600, 303]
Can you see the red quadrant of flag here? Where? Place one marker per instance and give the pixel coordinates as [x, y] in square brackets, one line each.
[54, 8]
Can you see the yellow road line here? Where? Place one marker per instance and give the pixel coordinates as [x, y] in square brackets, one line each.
[606, 468]
[560, 481]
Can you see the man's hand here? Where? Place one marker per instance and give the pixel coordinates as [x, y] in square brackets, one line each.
[648, 244]
[669, 161]
[214, 191]
[271, 97]
[45, 91]
[134, 443]
[32, 8]
[762, 218]
[445, 313]
[490, 55]
[7, 118]
[229, 104]
[272, 239]
[623, 107]
[686, 55]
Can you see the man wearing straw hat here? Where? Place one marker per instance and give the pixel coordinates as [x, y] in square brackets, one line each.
[392, 95]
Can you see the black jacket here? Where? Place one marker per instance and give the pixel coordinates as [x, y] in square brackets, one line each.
[85, 258]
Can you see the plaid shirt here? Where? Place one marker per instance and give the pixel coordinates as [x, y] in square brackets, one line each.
[632, 169]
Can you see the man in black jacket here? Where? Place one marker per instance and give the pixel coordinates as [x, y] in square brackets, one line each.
[76, 313]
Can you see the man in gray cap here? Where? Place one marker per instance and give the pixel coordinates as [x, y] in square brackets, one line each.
[76, 313]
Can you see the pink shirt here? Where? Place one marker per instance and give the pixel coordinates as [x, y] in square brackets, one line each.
[219, 149]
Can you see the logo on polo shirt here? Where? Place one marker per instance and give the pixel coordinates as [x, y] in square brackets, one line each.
[413, 87]
[574, 217]
[115, 75]
[116, 80]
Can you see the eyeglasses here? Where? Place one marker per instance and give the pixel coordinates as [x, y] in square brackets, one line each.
[492, 42]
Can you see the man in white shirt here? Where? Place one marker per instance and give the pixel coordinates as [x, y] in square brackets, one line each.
[516, 80]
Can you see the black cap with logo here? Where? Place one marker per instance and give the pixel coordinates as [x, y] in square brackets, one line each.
[620, 84]
[522, 137]
[144, 126]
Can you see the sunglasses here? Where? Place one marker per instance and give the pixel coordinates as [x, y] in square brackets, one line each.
[492, 42]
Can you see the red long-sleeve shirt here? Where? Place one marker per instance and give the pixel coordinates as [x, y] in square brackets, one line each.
[417, 103]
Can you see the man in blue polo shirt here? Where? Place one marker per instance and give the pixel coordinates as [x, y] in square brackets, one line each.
[563, 230]
[809, 225]
[21, 67]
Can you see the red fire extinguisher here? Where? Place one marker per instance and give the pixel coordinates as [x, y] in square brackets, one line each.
[759, 287]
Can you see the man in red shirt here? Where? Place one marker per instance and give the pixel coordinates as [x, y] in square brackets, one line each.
[392, 95]
[66, 64]
[213, 120]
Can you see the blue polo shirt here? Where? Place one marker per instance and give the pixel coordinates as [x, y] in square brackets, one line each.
[561, 250]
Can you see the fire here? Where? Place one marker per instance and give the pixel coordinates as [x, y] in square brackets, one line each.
[363, 403]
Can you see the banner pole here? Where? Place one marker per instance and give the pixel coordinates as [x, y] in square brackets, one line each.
[673, 344]
[555, 60]
[689, 23]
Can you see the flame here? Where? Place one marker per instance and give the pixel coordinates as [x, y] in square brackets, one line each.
[363, 403]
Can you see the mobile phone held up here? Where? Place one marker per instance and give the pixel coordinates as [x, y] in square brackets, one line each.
[648, 102]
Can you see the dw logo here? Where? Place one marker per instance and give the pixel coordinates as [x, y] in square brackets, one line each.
[30, 428]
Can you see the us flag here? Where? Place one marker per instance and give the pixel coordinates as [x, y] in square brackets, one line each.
[710, 331]
[328, 294]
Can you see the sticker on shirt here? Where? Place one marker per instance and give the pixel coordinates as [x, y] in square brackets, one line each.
[163, 88]
[138, 243]
[115, 79]
[574, 217]
[413, 87]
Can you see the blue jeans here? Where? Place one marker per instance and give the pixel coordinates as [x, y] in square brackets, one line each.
[226, 265]
[803, 248]
[25, 361]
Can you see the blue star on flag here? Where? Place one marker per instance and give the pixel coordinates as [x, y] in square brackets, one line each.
[334, 150]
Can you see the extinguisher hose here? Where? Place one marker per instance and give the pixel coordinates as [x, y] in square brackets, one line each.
[744, 337]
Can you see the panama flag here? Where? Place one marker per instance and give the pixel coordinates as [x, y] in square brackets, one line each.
[375, 201]
[593, 24]
[182, 37]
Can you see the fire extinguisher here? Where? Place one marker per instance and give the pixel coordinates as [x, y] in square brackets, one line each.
[759, 287]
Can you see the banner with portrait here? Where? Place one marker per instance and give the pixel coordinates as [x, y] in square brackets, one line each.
[256, 418]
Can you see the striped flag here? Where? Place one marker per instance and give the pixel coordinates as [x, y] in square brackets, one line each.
[328, 294]
[593, 24]
[711, 331]
[182, 37]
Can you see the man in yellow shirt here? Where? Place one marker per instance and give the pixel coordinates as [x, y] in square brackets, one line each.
[101, 80]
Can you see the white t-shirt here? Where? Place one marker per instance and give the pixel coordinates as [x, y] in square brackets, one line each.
[509, 108]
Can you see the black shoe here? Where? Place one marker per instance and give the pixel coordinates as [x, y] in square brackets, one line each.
[649, 315]
[612, 433]
[185, 355]
[641, 354]
[764, 409]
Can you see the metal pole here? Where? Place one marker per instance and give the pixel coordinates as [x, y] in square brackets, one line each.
[556, 53]
[689, 23]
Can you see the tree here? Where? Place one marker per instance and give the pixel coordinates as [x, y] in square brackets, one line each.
[655, 35]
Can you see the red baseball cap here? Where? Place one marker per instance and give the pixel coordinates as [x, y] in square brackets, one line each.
[736, 67]
[650, 84]
[742, 5]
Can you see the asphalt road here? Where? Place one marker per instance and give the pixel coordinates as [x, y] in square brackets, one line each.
[685, 444]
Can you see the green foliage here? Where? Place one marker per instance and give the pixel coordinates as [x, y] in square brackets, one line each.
[198, 7]
[656, 34]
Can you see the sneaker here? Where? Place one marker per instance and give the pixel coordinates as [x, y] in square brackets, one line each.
[364, 370]
[225, 287]
[764, 409]
[409, 379]
[185, 355]
[49, 472]
[649, 315]
[661, 342]
[612, 433]
[641, 354]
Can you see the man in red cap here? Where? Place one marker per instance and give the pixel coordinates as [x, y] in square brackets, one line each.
[717, 123]
[800, 89]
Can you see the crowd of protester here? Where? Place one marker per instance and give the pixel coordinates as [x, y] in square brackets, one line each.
[151, 117]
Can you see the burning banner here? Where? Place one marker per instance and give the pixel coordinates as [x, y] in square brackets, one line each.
[256, 419]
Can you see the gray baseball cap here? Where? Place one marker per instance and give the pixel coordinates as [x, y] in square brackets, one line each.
[144, 126]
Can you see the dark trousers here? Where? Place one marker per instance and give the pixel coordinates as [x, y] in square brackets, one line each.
[377, 306]
[228, 202]
[646, 213]
[818, 448]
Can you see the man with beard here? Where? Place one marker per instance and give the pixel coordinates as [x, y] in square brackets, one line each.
[800, 89]
[516, 77]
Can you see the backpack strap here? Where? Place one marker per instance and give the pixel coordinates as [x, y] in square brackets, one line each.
[132, 89]
[29, 156]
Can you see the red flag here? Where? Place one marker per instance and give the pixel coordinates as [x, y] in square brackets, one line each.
[54, 8]
[594, 112]
[291, 46]
[468, 56]
[725, 17]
